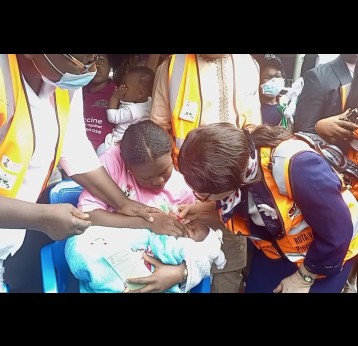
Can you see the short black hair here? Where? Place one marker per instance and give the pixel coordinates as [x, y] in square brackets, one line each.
[145, 77]
[144, 141]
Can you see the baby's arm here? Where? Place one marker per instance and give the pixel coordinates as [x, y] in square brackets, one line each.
[117, 95]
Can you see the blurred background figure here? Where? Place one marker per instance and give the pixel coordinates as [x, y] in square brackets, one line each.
[95, 101]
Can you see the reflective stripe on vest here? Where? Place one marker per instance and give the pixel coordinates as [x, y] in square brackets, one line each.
[18, 144]
[298, 234]
[185, 98]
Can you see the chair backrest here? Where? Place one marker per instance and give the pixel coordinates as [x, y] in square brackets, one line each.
[66, 191]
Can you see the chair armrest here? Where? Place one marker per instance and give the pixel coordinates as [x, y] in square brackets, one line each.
[49, 280]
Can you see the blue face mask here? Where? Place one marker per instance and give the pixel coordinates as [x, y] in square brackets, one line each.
[68, 80]
[71, 81]
[273, 87]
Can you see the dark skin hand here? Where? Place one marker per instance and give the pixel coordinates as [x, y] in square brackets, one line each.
[167, 224]
[163, 277]
[332, 129]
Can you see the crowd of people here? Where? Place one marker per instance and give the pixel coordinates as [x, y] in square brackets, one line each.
[195, 161]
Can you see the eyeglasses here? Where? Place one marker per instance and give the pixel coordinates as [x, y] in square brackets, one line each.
[84, 67]
[201, 198]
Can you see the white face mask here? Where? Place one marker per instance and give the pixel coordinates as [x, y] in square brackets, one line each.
[68, 80]
[273, 87]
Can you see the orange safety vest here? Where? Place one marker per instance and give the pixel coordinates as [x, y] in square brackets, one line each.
[18, 144]
[186, 101]
[297, 235]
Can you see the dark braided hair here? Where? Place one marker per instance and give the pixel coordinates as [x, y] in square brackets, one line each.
[144, 141]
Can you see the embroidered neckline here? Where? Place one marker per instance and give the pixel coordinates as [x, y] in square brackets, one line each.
[216, 60]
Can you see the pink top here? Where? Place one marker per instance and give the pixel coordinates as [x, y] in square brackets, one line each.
[94, 110]
[175, 192]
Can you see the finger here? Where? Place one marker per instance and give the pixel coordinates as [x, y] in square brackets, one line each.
[145, 280]
[278, 289]
[151, 260]
[179, 226]
[347, 125]
[185, 222]
[142, 212]
[183, 210]
[153, 210]
[78, 213]
[145, 289]
[82, 225]
[174, 233]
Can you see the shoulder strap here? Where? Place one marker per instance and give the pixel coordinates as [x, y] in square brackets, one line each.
[331, 153]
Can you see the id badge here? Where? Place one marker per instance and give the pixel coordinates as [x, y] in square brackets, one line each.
[189, 111]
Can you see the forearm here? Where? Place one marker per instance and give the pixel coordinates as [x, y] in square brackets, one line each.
[100, 184]
[101, 217]
[20, 214]
[152, 61]
[316, 190]
[119, 116]
[113, 103]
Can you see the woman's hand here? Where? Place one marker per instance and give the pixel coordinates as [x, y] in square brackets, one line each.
[293, 284]
[164, 276]
[333, 128]
[199, 211]
[167, 224]
[133, 208]
[60, 221]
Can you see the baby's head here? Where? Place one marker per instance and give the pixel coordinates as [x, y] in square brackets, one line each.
[197, 231]
[139, 82]
[146, 151]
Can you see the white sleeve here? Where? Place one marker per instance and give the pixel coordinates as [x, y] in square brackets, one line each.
[120, 116]
[78, 155]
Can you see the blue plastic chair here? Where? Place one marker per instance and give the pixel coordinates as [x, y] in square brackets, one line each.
[56, 274]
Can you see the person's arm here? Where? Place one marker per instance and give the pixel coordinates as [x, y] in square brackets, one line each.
[310, 103]
[316, 191]
[81, 163]
[163, 223]
[45, 218]
[101, 185]
[161, 113]
[163, 277]
[152, 61]
[117, 95]
[333, 129]
[121, 115]
[204, 212]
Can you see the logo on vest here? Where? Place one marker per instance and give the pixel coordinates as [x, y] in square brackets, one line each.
[7, 180]
[268, 211]
[10, 165]
[189, 111]
[294, 211]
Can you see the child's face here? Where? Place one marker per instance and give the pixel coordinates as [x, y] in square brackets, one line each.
[153, 175]
[134, 90]
[197, 231]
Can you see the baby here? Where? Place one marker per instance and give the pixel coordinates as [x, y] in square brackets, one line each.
[130, 102]
[93, 256]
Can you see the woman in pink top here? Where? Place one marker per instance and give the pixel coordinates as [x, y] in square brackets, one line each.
[142, 167]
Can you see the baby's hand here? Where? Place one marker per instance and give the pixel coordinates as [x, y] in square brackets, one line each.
[120, 91]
